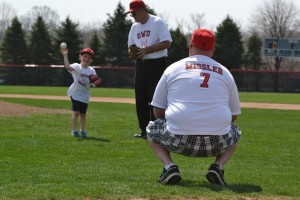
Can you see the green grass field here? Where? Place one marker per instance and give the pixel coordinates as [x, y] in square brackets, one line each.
[41, 160]
[292, 98]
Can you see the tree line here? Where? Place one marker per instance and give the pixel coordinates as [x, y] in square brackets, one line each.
[38, 42]
[40, 45]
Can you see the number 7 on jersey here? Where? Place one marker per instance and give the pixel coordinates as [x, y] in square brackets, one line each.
[206, 76]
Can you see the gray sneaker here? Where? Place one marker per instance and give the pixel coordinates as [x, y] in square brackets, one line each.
[83, 134]
[215, 175]
[75, 134]
[170, 176]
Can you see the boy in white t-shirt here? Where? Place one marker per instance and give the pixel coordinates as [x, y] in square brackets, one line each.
[79, 91]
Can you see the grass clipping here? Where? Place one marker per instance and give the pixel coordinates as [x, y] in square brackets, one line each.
[18, 110]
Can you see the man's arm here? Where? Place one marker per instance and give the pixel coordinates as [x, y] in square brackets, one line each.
[234, 117]
[159, 113]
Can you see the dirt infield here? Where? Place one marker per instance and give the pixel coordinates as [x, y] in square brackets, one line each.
[11, 109]
[17, 110]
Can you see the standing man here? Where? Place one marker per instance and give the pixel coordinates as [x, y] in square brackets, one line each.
[151, 36]
[196, 102]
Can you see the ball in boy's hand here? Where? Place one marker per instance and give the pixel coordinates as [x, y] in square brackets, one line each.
[63, 45]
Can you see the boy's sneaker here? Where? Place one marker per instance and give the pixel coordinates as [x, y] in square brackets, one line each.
[83, 134]
[75, 134]
[215, 175]
[170, 176]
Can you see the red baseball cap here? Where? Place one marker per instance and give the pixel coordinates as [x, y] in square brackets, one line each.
[134, 5]
[87, 50]
[203, 39]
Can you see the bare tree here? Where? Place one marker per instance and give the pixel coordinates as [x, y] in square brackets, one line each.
[50, 17]
[197, 21]
[276, 19]
[297, 32]
[89, 29]
[7, 13]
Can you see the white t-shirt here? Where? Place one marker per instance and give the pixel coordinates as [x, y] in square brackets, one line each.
[152, 32]
[80, 88]
[199, 95]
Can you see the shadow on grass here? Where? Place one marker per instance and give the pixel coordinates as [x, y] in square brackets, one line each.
[237, 188]
[95, 138]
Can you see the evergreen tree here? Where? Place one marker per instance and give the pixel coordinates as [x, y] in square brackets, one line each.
[14, 47]
[116, 30]
[179, 47]
[41, 49]
[229, 46]
[253, 56]
[68, 32]
[97, 46]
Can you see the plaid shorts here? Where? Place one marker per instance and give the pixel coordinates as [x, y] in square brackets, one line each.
[192, 145]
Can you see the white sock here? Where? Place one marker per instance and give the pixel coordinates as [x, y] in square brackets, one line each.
[168, 166]
[221, 167]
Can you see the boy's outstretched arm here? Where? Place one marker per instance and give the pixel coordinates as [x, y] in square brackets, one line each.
[64, 52]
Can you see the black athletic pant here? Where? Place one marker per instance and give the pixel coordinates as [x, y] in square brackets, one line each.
[147, 75]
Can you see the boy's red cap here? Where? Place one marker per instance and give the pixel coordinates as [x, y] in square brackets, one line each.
[87, 50]
[203, 39]
[134, 5]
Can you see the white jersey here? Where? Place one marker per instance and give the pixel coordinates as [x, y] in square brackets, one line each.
[152, 32]
[199, 95]
[80, 88]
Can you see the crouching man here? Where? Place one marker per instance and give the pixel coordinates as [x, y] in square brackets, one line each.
[195, 103]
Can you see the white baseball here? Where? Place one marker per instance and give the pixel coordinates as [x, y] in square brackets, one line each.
[63, 45]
